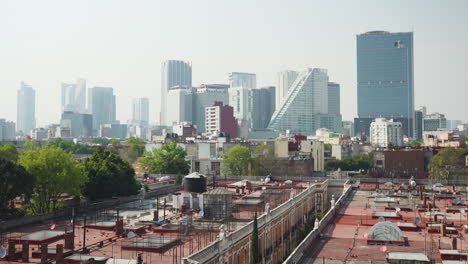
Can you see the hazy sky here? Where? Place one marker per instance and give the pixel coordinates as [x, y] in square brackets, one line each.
[122, 44]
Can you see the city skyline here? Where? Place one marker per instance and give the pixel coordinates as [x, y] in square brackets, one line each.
[135, 71]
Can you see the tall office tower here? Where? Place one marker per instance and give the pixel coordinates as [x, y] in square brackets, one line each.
[285, 80]
[242, 79]
[179, 104]
[418, 124]
[306, 100]
[205, 96]
[263, 106]
[74, 96]
[334, 98]
[140, 111]
[101, 104]
[220, 118]
[385, 79]
[26, 109]
[79, 125]
[173, 73]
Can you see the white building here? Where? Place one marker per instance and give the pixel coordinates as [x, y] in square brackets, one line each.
[26, 111]
[140, 111]
[74, 96]
[246, 80]
[173, 73]
[7, 130]
[240, 100]
[384, 132]
[285, 80]
[40, 134]
[179, 105]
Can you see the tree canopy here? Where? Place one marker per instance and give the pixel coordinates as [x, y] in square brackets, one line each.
[9, 152]
[357, 162]
[105, 141]
[262, 160]
[135, 150]
[448, 164]
[109, 175]
[169, 159]
[236, 161]
[55, 173]
[70, 146]
[15, 181]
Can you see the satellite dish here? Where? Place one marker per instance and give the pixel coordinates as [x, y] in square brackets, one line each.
[202, 213]
[417, 220]
[3, 252]
[462, 211]
[381, 219]
[397, 209]
[374, 208]
[130, 235]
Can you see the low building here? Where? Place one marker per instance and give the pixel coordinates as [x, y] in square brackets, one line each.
[80, 125]
[384, 132]
[220, 118]
[434, 121]
[402, 163]
[444, 139]
[341, 151]
[40, 134]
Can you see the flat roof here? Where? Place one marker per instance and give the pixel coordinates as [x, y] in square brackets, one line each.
[408, 256]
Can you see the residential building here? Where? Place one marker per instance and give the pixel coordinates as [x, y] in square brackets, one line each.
[40, 134]
[26, 109]
[385, 78]
[173, 73]
[80, 125]
[74, 96]
[220, 118]
[263, 106]
[308, 97]
[115, 130]
[184, 130]
[334, 98]
[242, 79]
[401, 163]
[434, 121]
[285, 81]
[443, 139]
[101, 103]
[140, 111]
[7, 130]
[205, 96]
[384, 132]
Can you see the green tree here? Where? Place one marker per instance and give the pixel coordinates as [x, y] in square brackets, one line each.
[134, 151]
[236, 161]
[55, 173]
[9, 152]
[328, 147]
[109, 175]
[106, 141]
[169, 159]
[14, 181]
[413, 143]
[448, 164]
[70, 146]
[262, 160]
[254, 246]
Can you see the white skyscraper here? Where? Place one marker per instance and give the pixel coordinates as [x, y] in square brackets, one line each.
[140, 110]
[285, 80]
[179, 100]
[242, 79]
[26, 109]
[173, 73]
[240, 100]
[74, 96]
[383, 132]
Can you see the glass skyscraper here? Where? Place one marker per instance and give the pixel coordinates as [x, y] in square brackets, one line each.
[385, 77]
[173, 73]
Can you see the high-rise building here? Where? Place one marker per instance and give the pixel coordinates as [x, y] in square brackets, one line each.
[101, 103]
[434, 121]
[384, 132]
[80, 125]
[7, 130]
[385, 77]
[348, 128]
[418, 124]
[307, 98]
[242, 79]
[220, 118]
[74, 96]
[239, 98]
[173, 73]
[140, 111]
[263, 106]
[179, 104]
[334, 98]
[453, 124]
[26, 109]
[205, 96]
[285, 81]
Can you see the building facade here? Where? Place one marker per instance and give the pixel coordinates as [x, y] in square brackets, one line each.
[307, 98]
[74, 96]
[385, 77]
[384, 132]
[101, 103]
[242, 79]
[205, 96]
[263, 106]
[140, 111]
[285, 81]
[434, 121]
[334, 98]
[220, 118]
[80, 125]
[26, 109]
[173, 73]
[7, 130]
